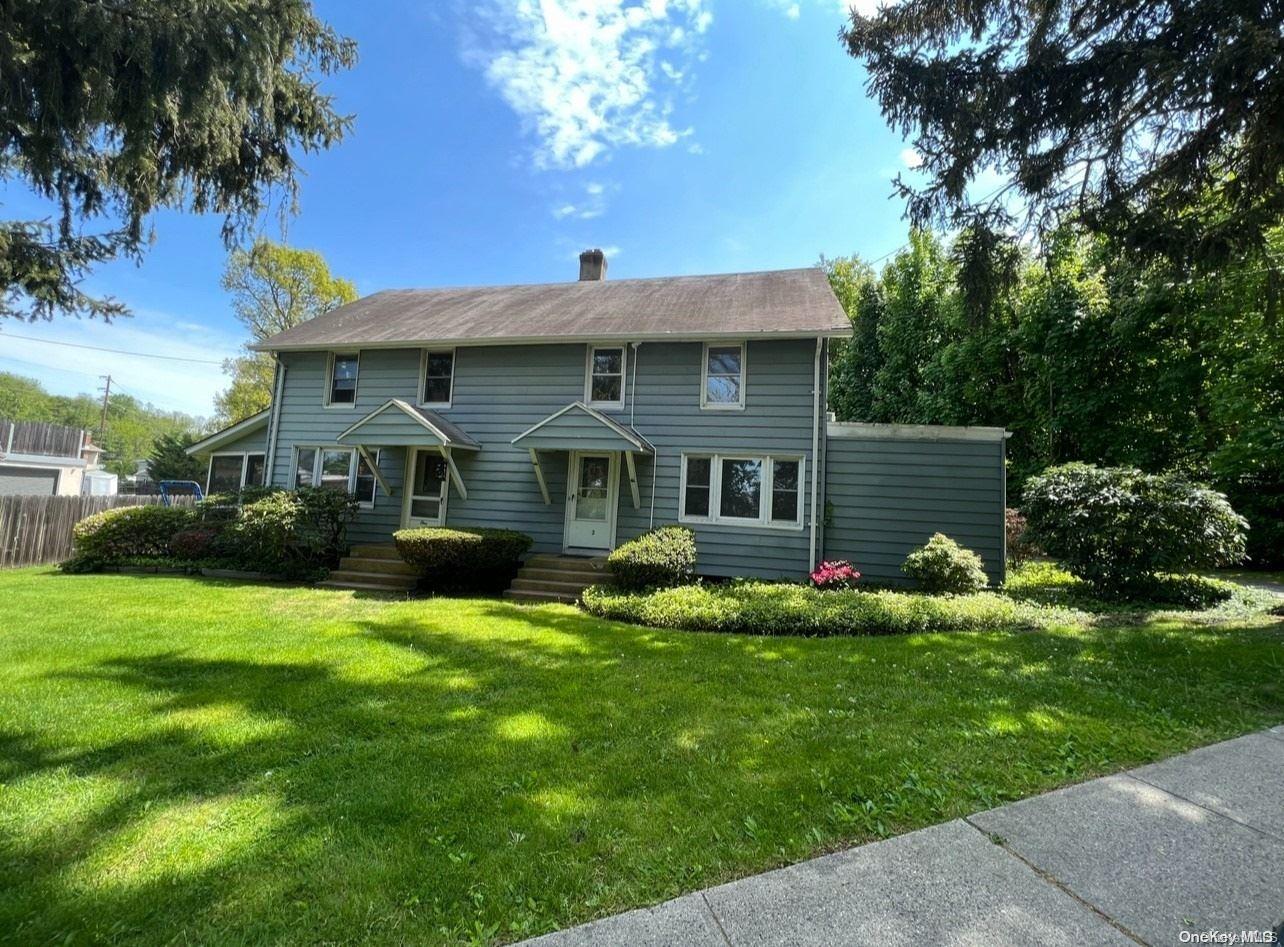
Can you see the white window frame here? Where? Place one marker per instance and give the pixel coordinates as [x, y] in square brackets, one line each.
[705, 403]
[329, 382]
[763, 519]
[588, 375]
[245, 456]
[316, 469]
[423, 378]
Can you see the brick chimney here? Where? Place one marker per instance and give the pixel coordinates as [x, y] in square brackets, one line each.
[592, 265]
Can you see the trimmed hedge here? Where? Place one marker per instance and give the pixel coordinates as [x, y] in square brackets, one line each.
[463, 559]
[657, 559]
[127, 532]
[765, 608]
[942, 565]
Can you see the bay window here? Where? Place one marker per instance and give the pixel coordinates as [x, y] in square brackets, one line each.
[742, 489]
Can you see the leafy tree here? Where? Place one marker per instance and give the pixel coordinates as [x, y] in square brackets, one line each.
[1113, 114]
[169, 459]
[854, 361]
[274, 287]
[112, 109]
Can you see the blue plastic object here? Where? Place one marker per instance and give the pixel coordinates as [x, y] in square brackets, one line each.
[167, 490]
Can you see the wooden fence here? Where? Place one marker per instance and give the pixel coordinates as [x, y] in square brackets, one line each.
[35, 530]
[40, 437]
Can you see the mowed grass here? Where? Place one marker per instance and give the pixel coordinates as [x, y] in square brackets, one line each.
[185, 760]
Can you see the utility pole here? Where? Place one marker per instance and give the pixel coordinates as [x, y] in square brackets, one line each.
[102, 423]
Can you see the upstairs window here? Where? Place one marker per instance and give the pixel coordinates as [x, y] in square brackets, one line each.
[742, 490]
[723, 381]
[438, 372]
[605, 383]
[342, 388]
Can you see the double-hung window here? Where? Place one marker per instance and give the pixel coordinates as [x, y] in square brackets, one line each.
[341, 383]
[742, 489]
[723, 377]
[437, 371]
[336, 468]
[604, 385]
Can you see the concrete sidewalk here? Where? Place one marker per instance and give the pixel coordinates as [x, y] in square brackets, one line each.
[1194, 843]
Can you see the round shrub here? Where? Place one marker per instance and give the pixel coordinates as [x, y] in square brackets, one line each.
[296, 533]
[127, 532]
[1117, 527]
[463, 559]
[942, 565]
[657, 559]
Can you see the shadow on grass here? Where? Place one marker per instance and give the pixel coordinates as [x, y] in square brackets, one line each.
[457, 783]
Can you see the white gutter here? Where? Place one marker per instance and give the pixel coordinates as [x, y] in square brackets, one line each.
[274, 421]
[815, 453]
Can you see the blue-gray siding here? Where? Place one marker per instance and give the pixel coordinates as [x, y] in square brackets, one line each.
[501, 391]
[254, 442]
[887, 496]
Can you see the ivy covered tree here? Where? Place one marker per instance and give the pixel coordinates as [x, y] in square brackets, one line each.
[112, 109]
[1121, 115]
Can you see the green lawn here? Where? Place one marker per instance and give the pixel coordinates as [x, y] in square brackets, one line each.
[199, 761]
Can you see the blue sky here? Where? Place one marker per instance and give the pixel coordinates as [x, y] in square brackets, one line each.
[495, 140]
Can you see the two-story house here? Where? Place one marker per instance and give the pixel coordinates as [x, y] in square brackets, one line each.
[585, 413]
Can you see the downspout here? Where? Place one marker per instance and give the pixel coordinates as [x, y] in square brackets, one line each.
[274, 419]
[815, 453]
[655, 457]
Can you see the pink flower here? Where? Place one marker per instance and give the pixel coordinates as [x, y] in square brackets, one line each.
[838, 574]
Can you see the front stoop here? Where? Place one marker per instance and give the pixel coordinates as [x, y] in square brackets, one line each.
[375, 568]
[547, 578]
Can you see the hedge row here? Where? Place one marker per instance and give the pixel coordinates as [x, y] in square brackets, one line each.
[765, 608]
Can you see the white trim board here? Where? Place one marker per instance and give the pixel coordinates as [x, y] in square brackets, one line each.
[239, 429]
[913, 432]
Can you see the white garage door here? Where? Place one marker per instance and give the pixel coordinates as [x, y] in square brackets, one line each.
[25, 481]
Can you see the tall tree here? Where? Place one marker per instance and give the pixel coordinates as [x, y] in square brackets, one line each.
[1115, 113]
[112, 109]
[169, 459]
[274, 287]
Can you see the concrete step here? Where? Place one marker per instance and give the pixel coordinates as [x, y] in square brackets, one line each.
[564, 575]
[380, 579]
[565, 563]
[361, 587]
[538, 598]
[522, 584]
[376, 551]
[371, 564]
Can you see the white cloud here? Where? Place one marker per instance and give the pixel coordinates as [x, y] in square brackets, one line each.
[169, 384]
[911, 158]
[587, 76]
[591, 205]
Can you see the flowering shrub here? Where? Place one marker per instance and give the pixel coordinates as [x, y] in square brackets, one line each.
[838, 574]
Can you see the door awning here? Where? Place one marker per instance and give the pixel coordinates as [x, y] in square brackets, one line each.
[398, 423]
[579, 427]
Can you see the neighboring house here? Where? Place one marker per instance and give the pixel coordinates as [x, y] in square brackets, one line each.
[41, 458]
[586, 413]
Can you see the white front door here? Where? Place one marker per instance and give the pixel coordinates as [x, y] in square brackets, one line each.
[591, 499]
[426, 480]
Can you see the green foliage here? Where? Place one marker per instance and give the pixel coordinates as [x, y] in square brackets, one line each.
[765, 608]
[1121, 115]
[126, 532]
[453, 560]
[274, 287]
[662, 557]
[942, 565]
[169, 459]
[193, 545]
[1118, 528]
[287, 532]
[116, 110]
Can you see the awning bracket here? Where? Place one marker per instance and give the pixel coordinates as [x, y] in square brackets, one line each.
[455, 478]
[633, 479]
[374, 469]
[539, 477]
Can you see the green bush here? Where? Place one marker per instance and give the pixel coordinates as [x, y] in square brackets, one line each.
[765, 608]
[1117, 527]
[127, 532]
[295, 533]
[456, 560]
[942, 565]
[193, 545]
[657, 559]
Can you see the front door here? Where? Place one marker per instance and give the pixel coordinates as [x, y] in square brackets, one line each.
[591, 500]
[425, 488]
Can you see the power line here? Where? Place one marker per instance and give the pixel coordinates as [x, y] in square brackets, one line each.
[99, 348]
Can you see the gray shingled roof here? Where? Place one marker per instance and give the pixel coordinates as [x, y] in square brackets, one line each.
[736, 305]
